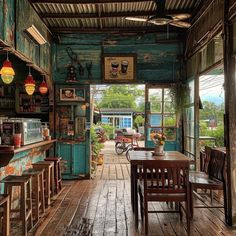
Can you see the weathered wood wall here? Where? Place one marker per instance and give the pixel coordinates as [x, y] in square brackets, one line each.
[158, 59]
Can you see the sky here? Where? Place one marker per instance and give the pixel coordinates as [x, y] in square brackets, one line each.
[211, 88]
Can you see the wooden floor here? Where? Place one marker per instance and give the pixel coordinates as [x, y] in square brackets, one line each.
[102, 206]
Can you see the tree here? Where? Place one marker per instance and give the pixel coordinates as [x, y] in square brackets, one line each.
[120, 96]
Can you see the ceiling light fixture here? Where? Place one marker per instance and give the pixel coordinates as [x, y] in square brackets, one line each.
[43, 88]
[36, 35]
[7, 73]
[29, 84]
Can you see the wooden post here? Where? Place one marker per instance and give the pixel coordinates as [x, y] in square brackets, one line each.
[230, 118]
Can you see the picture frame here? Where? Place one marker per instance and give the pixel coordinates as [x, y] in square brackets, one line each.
[119, 68]
[72, 94]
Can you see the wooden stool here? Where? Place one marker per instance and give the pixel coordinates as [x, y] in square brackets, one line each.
[5, 221]
[38, 191]
[24, 182]
[57, 172]
[48, 166]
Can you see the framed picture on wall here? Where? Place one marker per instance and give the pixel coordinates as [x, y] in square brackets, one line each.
[119, 68]
[72, 94]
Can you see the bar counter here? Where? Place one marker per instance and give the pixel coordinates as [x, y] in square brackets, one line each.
[22, 157]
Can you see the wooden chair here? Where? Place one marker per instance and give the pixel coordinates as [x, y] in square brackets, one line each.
[213, 180]
[170, 185]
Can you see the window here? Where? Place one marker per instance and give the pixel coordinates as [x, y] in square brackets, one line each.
[162, 116]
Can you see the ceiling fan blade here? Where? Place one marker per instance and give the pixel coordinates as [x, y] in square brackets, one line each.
[182, 16]
[181, 24]
[136, 19]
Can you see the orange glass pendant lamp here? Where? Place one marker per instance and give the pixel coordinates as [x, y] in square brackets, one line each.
[7, 72]
[43, 88]
[29, 84]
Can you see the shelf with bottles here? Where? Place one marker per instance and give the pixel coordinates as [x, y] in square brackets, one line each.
[70, 123]
[7, 97]
[35, 103]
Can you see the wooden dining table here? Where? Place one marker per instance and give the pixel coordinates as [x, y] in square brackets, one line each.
[137, 158]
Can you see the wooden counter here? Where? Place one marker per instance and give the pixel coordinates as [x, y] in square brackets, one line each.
[7, 155]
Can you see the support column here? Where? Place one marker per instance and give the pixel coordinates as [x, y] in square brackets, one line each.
[230, 117]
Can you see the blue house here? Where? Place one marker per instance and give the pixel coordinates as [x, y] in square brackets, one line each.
[117, 117]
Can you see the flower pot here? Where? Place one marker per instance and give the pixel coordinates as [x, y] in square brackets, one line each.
[100, 159]
[159, 149]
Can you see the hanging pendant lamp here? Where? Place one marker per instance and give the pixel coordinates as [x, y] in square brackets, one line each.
[7, 72]
[43, 88]
[29, 84]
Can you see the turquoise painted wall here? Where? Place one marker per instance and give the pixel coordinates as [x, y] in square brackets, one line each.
[157, 58]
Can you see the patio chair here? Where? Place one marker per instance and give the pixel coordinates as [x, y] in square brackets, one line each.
[170, 185]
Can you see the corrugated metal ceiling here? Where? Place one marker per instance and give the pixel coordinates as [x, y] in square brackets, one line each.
[109, 15]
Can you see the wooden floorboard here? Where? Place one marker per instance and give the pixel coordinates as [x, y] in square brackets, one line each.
[105, 203]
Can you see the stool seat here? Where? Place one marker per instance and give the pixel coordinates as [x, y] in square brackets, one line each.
[17, 179]
[38, 191]
[25, 210]
[48, 166]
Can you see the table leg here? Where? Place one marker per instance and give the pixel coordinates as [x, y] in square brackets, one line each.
[134, 193]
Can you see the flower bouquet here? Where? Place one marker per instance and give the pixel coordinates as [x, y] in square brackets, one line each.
[159, 141]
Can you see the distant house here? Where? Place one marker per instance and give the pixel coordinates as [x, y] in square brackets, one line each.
[117, 117]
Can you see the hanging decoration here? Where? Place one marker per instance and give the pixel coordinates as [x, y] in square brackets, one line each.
[29, 84]
[7, 72]
[43, 88]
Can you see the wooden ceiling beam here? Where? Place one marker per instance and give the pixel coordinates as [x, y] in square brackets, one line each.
[160, 29]
[84, 1]
[108, 15]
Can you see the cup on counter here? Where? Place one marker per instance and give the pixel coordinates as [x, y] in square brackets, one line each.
[17, 140]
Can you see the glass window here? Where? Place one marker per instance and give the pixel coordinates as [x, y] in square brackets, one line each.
[162, 116]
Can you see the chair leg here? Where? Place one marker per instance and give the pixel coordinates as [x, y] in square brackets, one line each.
[188, 216]
[146, 216]
[191, 200]
[141, 204]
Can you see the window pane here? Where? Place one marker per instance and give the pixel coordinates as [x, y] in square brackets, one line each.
[170, 133]
[155, 119]
[167, 95]
[169, 107]
[155, 98]
[169, 120]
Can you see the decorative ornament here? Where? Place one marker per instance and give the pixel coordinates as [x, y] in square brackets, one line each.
[29, 84]
[71, 74]
[43, 88]
[7, 72]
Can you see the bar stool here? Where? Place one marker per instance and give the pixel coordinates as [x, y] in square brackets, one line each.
[5, 216]
[48, 166]
[38, 191]
[57, 172]
[25, 210]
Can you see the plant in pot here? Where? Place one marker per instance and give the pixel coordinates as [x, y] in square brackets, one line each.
[96, 146]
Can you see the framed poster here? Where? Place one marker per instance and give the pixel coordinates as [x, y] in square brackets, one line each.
[119, 68]
[72, 94]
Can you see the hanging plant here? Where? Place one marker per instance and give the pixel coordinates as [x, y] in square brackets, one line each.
[179, 94]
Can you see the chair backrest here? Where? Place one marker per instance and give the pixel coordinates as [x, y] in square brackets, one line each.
[163, 176]
[207, 159]
[217, 164]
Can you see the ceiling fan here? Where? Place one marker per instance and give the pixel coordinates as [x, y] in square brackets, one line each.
[161, 18]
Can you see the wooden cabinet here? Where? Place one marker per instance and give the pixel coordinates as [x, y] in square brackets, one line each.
[71, 114]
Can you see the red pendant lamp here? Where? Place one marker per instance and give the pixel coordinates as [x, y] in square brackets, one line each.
[43, 88]
[29, 84]
[7, 72]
